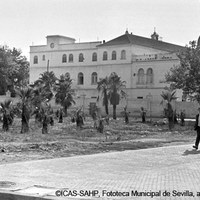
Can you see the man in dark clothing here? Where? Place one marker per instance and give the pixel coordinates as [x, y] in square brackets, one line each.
[182, 117]
[197, 128]
[143, 115]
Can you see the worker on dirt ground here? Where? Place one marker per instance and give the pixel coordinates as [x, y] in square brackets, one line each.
[182, 117]
[143, 115]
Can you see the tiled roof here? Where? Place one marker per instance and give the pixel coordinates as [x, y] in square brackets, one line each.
[142, 41]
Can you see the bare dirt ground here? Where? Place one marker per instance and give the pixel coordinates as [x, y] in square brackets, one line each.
[65, 139]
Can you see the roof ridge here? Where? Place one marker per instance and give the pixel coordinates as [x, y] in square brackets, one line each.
[143, 41]
[160, 41]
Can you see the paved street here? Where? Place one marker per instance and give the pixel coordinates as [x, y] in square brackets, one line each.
[151, 171]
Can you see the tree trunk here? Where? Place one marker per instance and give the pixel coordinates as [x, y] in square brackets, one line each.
[106, 109]
[106, 102]
[171, 123]
[114, 111]
[65, 110]
[45, 125]
[25, 126]
[25, 121]
[170, 116]
[5, 123]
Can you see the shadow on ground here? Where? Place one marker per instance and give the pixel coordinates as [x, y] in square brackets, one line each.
[190, 152]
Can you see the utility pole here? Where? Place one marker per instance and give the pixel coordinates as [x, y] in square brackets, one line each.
[48, 66]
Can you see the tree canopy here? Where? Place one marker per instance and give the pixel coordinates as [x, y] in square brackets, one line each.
[186, 76]
[64, 92]
[14, 69]
[112, 90]
[46, 82]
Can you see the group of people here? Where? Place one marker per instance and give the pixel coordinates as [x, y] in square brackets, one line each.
[126, 114]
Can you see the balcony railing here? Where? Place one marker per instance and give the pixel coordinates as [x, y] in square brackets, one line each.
[153, 57]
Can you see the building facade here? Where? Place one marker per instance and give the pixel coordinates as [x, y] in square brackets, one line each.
[141, 62]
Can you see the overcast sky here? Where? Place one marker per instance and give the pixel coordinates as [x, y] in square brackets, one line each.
[27, 22]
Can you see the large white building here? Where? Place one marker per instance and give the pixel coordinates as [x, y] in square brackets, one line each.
[141, 62]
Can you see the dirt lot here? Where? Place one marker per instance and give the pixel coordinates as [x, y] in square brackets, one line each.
[65, 139]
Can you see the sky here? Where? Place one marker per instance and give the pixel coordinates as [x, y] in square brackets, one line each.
[27, 22]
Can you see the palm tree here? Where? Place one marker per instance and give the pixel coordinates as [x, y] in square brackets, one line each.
[40, 95]
[168, 96]
[103, 88]
[115, 91]
[7, 110]
[38, 101]
[64, 95]
[26, 96]
[47, 81]
[46, 116]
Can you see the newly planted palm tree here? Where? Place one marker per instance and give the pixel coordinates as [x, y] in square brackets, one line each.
[7, 110]
[64, 93]
[168, 96]
[26, 97]
[46, 116]
[103, 88]
[116, 92]
[38, 101]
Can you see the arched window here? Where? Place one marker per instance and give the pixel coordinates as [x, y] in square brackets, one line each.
[114, 55]
[43, 57]
[149, 75]
[35, 60]
[64, 58]
[81, 58]
[71, 58]
[80, 78]
[94, 56]
[141, 76]
[123, 54]
[94, 78]
[105, 55]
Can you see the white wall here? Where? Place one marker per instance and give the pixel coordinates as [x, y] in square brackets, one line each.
[135, 59]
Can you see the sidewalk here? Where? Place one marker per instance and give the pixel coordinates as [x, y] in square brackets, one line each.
[172, 169]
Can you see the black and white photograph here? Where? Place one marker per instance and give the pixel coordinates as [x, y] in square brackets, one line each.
[99, 99]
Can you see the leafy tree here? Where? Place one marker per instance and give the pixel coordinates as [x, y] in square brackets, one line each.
[116, 86]
[103, 88]
[168, 96]
[26, 97]
[46, 81]
[14, 69]
[186, 76]
[64, 93]
[8, 114]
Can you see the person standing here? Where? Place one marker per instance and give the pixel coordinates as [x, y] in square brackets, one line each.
[60, 116]
[197, 128]
[182, 117]
[94, 117]
[143, 115]
[126, 115]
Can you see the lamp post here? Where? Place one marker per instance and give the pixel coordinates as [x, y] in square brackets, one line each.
[48, 66]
